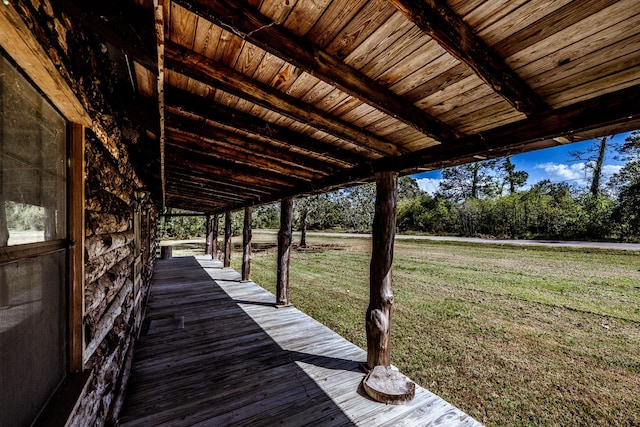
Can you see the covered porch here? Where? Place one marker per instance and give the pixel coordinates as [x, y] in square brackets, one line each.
[214, 350]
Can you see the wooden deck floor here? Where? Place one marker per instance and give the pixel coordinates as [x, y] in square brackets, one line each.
[215, 352]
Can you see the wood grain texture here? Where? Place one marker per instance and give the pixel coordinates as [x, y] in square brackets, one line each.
[241, 361]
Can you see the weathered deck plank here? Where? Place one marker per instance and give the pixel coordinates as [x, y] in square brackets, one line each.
[238, 360]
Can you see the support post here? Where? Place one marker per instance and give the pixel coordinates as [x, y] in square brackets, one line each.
[383, 383]
[246, 244]
[214, 238]
[227, 239]
[380, 295]
[284, 251]
[207, 243]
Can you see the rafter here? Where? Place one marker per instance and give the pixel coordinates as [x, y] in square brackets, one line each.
[225, 151]
[211, 164]
[207, 71]
[248, 186]
[247, 23]
[617, 112]
[438, 21]
[206, 109]
[214, 136]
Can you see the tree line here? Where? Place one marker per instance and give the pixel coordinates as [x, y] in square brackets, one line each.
[486, 198]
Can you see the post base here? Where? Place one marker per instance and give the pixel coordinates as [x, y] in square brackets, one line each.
[387, 385]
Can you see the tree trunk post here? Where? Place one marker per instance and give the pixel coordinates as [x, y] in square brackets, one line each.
[304, 222]
[214, 238]
[207, 245]
[378, 320]
[284, 251]
[246, 244]
[227, 239]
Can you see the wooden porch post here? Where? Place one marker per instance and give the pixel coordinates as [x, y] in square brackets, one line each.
[383, 383]
[380, 294]
[246, 244]
[214, 237]
[207, 244]
[284, 251]
[227, 239]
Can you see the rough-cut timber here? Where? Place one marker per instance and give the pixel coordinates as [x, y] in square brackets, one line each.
[246, 244]
[214, 237]
[385, 384]
[378, 320]
[284, 251]
[448, 29]
[227, 239]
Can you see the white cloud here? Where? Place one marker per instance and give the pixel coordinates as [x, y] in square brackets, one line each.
[574, 173]
[608, 170]
[559, 172]
[430, 185]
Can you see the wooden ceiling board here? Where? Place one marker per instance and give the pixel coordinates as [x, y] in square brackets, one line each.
[549, 25]
[463, 7]
[490, 12]
[438, 82]
[304, 16]
[601, 22]
[277, 11]
[146, 81]
[525, 15]
[332, 21]
[593, 89]
[454, 93]
[396, 35]
[623, 55]
[181, 26]
[431, 71]
[280, 120]
[374, 14]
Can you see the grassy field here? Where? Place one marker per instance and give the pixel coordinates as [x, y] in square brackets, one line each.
[511, 335]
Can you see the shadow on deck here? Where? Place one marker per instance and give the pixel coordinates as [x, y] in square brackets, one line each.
[215, 351]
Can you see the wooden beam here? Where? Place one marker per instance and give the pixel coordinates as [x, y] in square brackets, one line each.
[186, 103]
[21, 45]
[250, 25]
[378, 319]
[76, 251]
[227, 239]
[438, 21]
[207, 140]
[209, 72]
[213, 164]
[284, 251]
[158, 12]
[225, 184]
[246, 245]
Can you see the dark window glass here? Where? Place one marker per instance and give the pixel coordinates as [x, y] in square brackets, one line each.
[32, 209]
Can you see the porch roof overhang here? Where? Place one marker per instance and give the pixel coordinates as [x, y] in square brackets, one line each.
[245, 103]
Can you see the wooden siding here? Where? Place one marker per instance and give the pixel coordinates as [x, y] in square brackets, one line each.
[216, 351]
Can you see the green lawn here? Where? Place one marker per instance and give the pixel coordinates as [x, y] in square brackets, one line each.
[511, 335]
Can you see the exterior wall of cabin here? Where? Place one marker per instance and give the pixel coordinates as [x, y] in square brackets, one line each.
[120, 220]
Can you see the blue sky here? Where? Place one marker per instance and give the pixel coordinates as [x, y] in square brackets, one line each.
[554, 164]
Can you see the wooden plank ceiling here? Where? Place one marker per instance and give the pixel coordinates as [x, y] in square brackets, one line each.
[262, 99]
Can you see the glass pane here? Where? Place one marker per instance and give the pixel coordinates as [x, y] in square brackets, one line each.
[32, 163]
[32, 335]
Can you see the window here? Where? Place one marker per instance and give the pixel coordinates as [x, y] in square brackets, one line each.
[33, 232]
